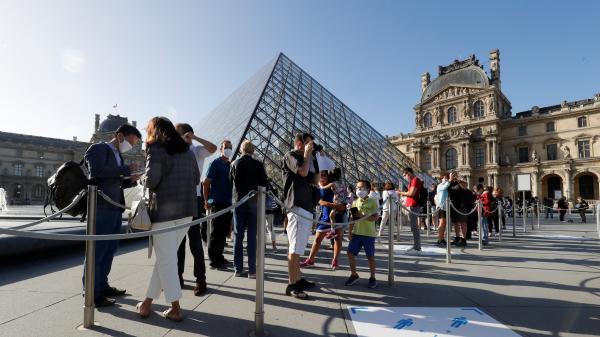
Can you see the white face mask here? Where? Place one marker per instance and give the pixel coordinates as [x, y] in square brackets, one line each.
[228, 153]
[124, 146]
[362, 193]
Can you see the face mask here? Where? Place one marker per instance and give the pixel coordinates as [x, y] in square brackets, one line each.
[124, 146]
[362, 193]
[228, 153]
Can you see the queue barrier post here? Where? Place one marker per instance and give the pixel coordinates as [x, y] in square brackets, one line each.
[501, 218]
[392, 212]
[598, 218]
[538, 214]
[448, 228]
[479, 225]
[427, 220]
[259, 312]
[90, 258]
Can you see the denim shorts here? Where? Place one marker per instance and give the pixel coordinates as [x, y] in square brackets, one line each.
[359, 241]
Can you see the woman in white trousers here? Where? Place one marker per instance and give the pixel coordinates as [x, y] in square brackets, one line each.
[171, 176]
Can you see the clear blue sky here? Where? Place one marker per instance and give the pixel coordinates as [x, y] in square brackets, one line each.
[63, 61]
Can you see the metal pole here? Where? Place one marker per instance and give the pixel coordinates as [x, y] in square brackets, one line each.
[598, 218]
[514, 213]
[259, 313]
[209, 224]
[448, 226]
[391, 225]
[427, 220]
[479, 224]
[524, 214]
[400, 219]
[90, 258]
[538, 214]
[500, 217]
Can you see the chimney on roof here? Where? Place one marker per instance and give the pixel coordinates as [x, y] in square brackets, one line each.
[74, 138]
[495, 67]
[425, 80]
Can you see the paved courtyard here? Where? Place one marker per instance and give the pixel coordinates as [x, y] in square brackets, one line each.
[541, 283]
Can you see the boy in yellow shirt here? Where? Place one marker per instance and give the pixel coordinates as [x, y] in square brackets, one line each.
[363, 233]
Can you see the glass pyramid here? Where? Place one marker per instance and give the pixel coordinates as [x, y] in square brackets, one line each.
[282, 100]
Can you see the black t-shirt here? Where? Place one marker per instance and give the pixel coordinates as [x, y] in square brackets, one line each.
[296, 189]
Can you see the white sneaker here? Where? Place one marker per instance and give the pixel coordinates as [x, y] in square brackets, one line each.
[414, 252]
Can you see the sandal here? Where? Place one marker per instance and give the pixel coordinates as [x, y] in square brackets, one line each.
[167, 314]
[138, 308]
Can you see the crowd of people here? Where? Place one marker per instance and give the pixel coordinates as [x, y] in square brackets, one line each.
[180, 193]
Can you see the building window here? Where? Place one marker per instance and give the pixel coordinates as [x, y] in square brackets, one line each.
[582, 122]
[522, 131]
[479, 157]
[38, 191]
[550, 127]
[478, 109]
[19, 170]
[427, 120]
[451, 159]
[552, 151]
[39, 171]
[451, 115]
[583, 148]
[523, 154]
[426, 161]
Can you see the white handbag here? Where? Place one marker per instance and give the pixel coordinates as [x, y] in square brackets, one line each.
[140, 220]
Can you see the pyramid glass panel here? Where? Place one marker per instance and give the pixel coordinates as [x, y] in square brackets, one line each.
[282, 100]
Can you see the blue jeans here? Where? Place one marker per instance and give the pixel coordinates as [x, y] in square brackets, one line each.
[245, 219]
[108, 221]
[485, 228]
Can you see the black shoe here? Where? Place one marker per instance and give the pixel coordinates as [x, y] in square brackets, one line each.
[113, 292]
[103, 301]
[304, 284]
[294, 290]
[461, 243]
[441, 243]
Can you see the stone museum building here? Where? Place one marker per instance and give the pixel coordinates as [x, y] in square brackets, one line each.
[26, 162]
[464, 122]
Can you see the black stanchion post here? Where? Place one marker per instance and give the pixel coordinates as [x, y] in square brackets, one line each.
[259, 313]
[90, 257]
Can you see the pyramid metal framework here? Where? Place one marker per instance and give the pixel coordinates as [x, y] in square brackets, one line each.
[282, 100]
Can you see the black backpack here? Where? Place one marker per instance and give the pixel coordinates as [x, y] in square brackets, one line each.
[65, 184]
[63, 187]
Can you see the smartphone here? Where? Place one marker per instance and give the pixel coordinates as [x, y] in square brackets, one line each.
[354, 212]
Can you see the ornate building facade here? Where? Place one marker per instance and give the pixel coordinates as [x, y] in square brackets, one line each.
[26, 162]
[464, 122]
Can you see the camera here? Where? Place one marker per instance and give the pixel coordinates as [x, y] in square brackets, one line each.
[317, 147]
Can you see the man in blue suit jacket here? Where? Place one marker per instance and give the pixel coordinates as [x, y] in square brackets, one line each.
[107, 171]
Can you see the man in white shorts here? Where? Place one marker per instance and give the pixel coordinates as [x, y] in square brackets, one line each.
[298, 179]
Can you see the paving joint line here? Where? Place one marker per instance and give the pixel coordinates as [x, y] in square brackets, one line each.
[39, 309]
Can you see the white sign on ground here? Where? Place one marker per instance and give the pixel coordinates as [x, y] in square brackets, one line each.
[523, 182]
[559, 237]
[425, 250]
[425, 322]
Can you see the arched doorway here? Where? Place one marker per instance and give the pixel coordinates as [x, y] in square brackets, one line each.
[552, 186]
[586, 186]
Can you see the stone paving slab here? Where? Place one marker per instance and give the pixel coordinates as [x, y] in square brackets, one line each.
[537, 286]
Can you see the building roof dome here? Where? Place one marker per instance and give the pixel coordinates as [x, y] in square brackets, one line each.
[460, 73]
[111, 123]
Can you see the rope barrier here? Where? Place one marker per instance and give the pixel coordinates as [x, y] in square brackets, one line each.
[77, 198]
[318, 221]
[75, 237]
[461, 213]
[110, 201]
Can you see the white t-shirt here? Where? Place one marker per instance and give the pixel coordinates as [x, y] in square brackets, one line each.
[201, 153]
[374, 195]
